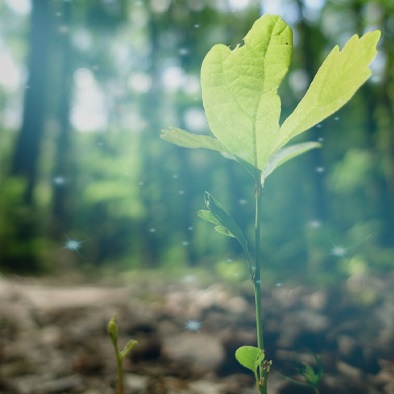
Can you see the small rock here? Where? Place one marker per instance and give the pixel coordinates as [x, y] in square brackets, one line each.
[349, 371]
[136, 384]
[202, 353]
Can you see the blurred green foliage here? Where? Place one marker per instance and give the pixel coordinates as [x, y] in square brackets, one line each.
[131, 198]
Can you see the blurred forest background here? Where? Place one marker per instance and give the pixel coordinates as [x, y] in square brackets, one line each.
[85, 180]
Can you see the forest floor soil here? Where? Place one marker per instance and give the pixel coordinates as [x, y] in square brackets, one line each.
[54, 340]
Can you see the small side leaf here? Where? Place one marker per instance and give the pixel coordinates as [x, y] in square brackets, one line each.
[112, 329]
[189, 140]
[285, 154]
[224, 231]
[226, 222]
[250, 357]
[207, 216]
[128, 348]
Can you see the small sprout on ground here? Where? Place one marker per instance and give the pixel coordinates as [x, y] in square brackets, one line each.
[112, 329]
[311, 375]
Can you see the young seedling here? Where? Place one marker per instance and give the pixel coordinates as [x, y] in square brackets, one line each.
[311, 375]
[112, 329]
[242, 106]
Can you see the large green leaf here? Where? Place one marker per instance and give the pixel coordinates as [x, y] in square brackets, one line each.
[189, 140]
[239, 89]
[338, 78]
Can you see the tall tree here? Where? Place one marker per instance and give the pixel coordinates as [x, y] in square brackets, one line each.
[21, 242]
[61, 196]
[27, 148]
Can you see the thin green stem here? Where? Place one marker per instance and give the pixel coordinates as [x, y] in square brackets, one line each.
[257, 286]
[257, 274]
[120, 374]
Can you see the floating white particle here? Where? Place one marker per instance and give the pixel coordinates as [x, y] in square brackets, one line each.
[314, 224]
[319, 170]
[72, 244]
[185, 243]
[59, 180]
[181, 192]
[193, 325]
[183, 51]
[190, 228]
[152, 230]
[338, 251]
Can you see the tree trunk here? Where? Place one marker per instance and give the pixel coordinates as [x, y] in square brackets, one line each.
[22, 243]
[27, 149]
[61, 210]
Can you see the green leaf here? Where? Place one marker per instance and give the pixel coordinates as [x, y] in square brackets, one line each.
[312, 375]
[239, 89]
[210, 218]
[284, 154]
[260, 358]
[128, 348]
[242, 106]
[250, 357]
[225, 223]
[112, 329]
[189, 140]
[207, 216]
[224, 231]
[338, 78]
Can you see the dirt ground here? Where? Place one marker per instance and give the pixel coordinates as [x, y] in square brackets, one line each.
[54, 340]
